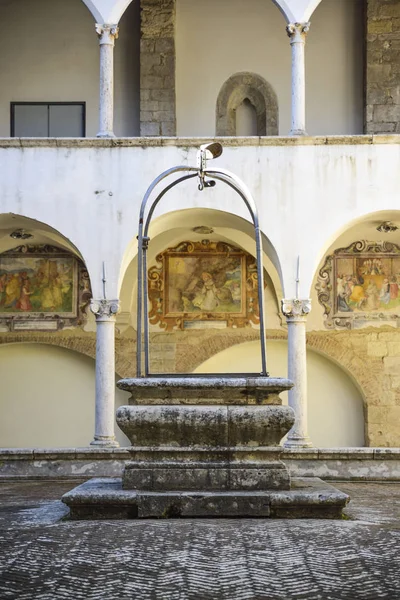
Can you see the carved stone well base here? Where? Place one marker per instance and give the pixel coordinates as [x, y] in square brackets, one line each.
[309, 497]
[204, 447]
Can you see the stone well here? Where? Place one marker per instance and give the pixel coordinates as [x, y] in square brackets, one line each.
[205, 447]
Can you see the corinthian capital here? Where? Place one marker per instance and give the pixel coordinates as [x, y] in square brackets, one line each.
[104, 309]
[107, 34]
[297, 32]
[296, 309]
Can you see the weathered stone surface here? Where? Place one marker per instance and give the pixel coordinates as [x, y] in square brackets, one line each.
[205, 426]
[309, 497]
[382, 73]
[157, 68]
[227, 390]
[211, 477]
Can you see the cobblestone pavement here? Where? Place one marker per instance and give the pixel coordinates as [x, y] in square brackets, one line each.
[43, 557]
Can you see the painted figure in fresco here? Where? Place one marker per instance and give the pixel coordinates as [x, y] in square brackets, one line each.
[3, 280]
[372, 294]
[394, 288]
[341, 295]
[207, 298]
[357, 293]
[385, 291]
[13, 289]
[24, 302]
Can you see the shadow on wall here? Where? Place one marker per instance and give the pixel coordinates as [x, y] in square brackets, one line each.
[335, 405]
[48, 397]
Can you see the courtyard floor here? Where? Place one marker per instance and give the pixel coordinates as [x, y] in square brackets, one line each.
[43, 556]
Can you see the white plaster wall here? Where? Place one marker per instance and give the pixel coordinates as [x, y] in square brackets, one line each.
[307, 195]
[47, 397]
[214, 40]
[335, 406]
[52, 54]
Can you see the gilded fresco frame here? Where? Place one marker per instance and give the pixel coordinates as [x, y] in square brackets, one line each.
[28, 318]
[356, 311]
[168, 317]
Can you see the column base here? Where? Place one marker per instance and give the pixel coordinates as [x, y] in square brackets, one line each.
[298, 132]
[105, 442]
[298, 442]
[106, 134]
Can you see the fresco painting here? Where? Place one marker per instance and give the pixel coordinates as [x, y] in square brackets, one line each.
[38, 285]
[367, 284]
[199, 283]
[360, 285]
[203, 284]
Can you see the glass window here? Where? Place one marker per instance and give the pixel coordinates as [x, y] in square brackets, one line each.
[45, 119]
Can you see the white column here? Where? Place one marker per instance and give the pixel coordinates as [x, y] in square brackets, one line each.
[105, 312]
[107, 36]
[297, 33]
[296, 312]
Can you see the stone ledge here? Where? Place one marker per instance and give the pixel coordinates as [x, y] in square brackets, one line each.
[143, 142]
[349, 464]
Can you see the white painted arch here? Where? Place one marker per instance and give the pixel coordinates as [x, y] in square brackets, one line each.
[173, 227]
[107, 11]
[297, 11]
[110, 11]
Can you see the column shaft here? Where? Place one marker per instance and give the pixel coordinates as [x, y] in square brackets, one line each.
[105, 372]
[296, 314]
[297, 33]
[107, 36]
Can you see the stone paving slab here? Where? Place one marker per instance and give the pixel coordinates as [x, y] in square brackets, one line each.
[43, 557]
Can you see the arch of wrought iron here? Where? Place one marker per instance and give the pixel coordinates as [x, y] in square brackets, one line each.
[207, 177]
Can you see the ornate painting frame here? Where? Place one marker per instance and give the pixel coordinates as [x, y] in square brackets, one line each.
[360, 285]
[201, 284]
[42, 288]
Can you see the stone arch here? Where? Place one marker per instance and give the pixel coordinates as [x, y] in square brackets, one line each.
[358, 373]
[81, 344]
[261, 95]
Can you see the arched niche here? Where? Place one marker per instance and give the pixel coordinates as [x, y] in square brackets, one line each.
[250, 88]
[47, 397]
[335, 404]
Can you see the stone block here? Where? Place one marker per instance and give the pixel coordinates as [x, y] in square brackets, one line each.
[395, 381]
[378, 73]
[379, 26]
[377, 349]
[393, 348]
[387, 113]
[149, 129]
[392, 365]
[389, 9]
[168, 129]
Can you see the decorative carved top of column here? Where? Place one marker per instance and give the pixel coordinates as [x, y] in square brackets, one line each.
[297, 32]
[296, 309]
[104, 310]
[107, 34]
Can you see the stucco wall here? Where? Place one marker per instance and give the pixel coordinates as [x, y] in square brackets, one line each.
[335, 405]
[53, 56]
[92, 184]
[47, 397]
[214, 40]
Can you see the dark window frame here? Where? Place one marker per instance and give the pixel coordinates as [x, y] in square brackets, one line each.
[48, 104]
